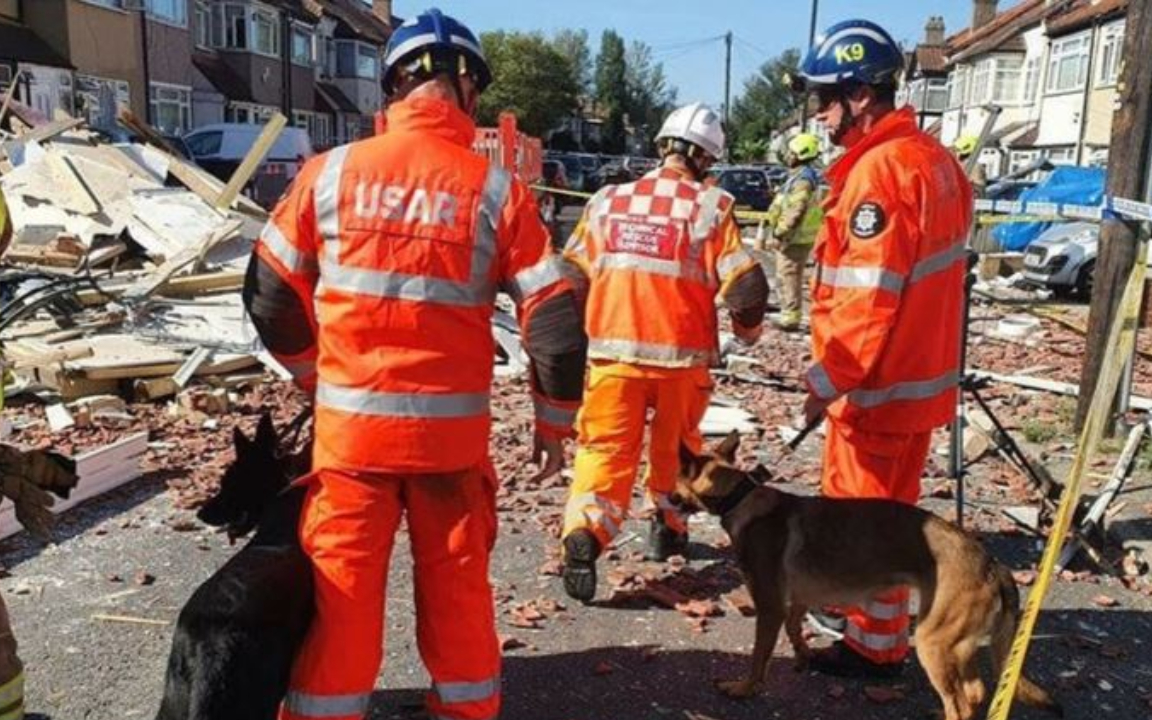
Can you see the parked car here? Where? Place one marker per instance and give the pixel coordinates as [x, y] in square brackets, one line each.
[751, 186]
[590, 165]
[1063, 258]
[573, 171]
[549, 203]
[220, 149]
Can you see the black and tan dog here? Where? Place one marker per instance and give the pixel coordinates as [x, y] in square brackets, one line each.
[801, 552]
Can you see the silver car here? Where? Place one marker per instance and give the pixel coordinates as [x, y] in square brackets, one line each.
[1063, 258]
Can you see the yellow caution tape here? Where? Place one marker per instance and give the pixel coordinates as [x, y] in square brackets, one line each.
[1121, 337]
[1008, 219]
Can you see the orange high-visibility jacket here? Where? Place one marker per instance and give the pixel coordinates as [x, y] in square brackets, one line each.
[374, 282]
[888, 291]
[652, 256]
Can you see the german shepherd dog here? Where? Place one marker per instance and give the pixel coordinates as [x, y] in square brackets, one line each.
[807, 552]
[238, 634]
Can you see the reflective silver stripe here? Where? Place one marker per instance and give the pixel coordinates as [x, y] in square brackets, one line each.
[551, 414]
[913, 390]
[324, 706]
[462, 692]
[398, 286]
[877, 642]
[655, 266]
[326, 200]
[935, 263]
[279, 247]
[631, 349]
[540, 276]
[731, 263]
[492, 199]
[821, 383]
[861, 277]
[408, 45]
[413, 405]
[594, 509]
[885, 611]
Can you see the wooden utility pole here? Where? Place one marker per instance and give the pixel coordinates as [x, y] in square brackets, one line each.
[727, 75]
[1121, 242]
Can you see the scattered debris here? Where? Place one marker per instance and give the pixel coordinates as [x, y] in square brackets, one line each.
[882, 695]
[1105, 601]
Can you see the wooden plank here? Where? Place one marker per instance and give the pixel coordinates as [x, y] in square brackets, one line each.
[146, 390]
[154, 280]
[58, 418]
[251, 161]
[50, 130]
[1052, 386]
[198, 357]
[184, 286]
[81, 199]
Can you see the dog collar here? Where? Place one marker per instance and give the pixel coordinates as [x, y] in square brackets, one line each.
[736, 497]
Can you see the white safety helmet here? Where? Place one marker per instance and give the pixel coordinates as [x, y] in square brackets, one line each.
[697, 124]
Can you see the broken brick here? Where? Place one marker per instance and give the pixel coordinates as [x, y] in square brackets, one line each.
[1105, 601]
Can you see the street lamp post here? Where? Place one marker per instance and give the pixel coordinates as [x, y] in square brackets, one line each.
[811, 40]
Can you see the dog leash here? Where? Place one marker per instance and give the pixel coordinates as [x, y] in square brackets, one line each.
[804, 433]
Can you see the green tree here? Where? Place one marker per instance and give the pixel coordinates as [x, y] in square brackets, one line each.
[612, 89]
[573, 45]
[650, 98]
[529, 78]
[765, 102]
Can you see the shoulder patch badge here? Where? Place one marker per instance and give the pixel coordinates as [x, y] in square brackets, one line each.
[868, 220]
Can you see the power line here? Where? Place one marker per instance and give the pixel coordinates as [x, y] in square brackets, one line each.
[679, 45]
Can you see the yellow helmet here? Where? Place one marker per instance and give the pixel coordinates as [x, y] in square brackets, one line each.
[965, 145]
[804, 147]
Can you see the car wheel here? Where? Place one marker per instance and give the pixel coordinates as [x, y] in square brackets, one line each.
[1084, 279]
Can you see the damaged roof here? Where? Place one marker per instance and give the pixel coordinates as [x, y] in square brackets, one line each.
[19, 43]
[1001, 33]
[356, 20]
[1082, 13]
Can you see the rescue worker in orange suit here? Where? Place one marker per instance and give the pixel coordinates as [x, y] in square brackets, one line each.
[886, 304]
[651, 257]
[374, 284]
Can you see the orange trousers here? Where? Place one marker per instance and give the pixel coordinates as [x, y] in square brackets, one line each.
[617, 400]
[861, 464]
[348, 528]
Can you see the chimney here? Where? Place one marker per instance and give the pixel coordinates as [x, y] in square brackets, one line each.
[383, 10]
[982, 12]
[934, 32]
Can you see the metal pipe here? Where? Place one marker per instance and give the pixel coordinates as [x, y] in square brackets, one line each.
[811, 41]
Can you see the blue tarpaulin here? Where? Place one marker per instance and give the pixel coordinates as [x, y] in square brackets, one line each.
[1066, 185]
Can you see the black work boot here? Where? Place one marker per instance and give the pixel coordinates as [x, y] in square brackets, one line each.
[663, 541]
[581, 548]
[844, 662]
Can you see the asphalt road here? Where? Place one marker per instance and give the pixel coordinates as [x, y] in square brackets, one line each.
[95, 638]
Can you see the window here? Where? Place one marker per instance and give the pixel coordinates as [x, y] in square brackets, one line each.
[1020, 159]
[169, 11]
[1065, 155]
[981, 86]
[248, 113]
[936, 97]
[265, 33]
[171, 108]
[301, 119]
[1031, 81]
[321, 131]
[1006, 86]
[302, 46]
[107, 3]
[355, 59]
[957, 87]
[203, 29]
[1068, 64]
[1111, 45]
[205, 143]
[230, 26]
[5, 77]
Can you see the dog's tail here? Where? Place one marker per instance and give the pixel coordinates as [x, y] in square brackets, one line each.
[1003, 633]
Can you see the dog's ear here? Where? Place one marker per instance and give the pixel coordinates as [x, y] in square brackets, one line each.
[691, 464]
[727, 449]
[240, 441]
[266, 432]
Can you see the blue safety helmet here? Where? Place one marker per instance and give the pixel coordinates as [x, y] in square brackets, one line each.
[853, 51]
[433, 42]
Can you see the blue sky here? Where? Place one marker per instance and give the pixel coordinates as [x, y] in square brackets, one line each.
[676, 29]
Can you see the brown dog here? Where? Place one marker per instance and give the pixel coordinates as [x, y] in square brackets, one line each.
[801, 552]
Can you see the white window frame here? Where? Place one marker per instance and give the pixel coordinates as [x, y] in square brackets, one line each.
[359, 49]
[1020, 159]
[202, 25]
[310, 36]
[1074, 48]
[1062, 155]
[958, 87]
[1111, 54]
[1030, 80]
[179, 8]
[109, 4]
[321, 131]
[1007, 75]
[252, 112]
[257, 17]
[178, 95]
[980, 82]
[938, 88]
